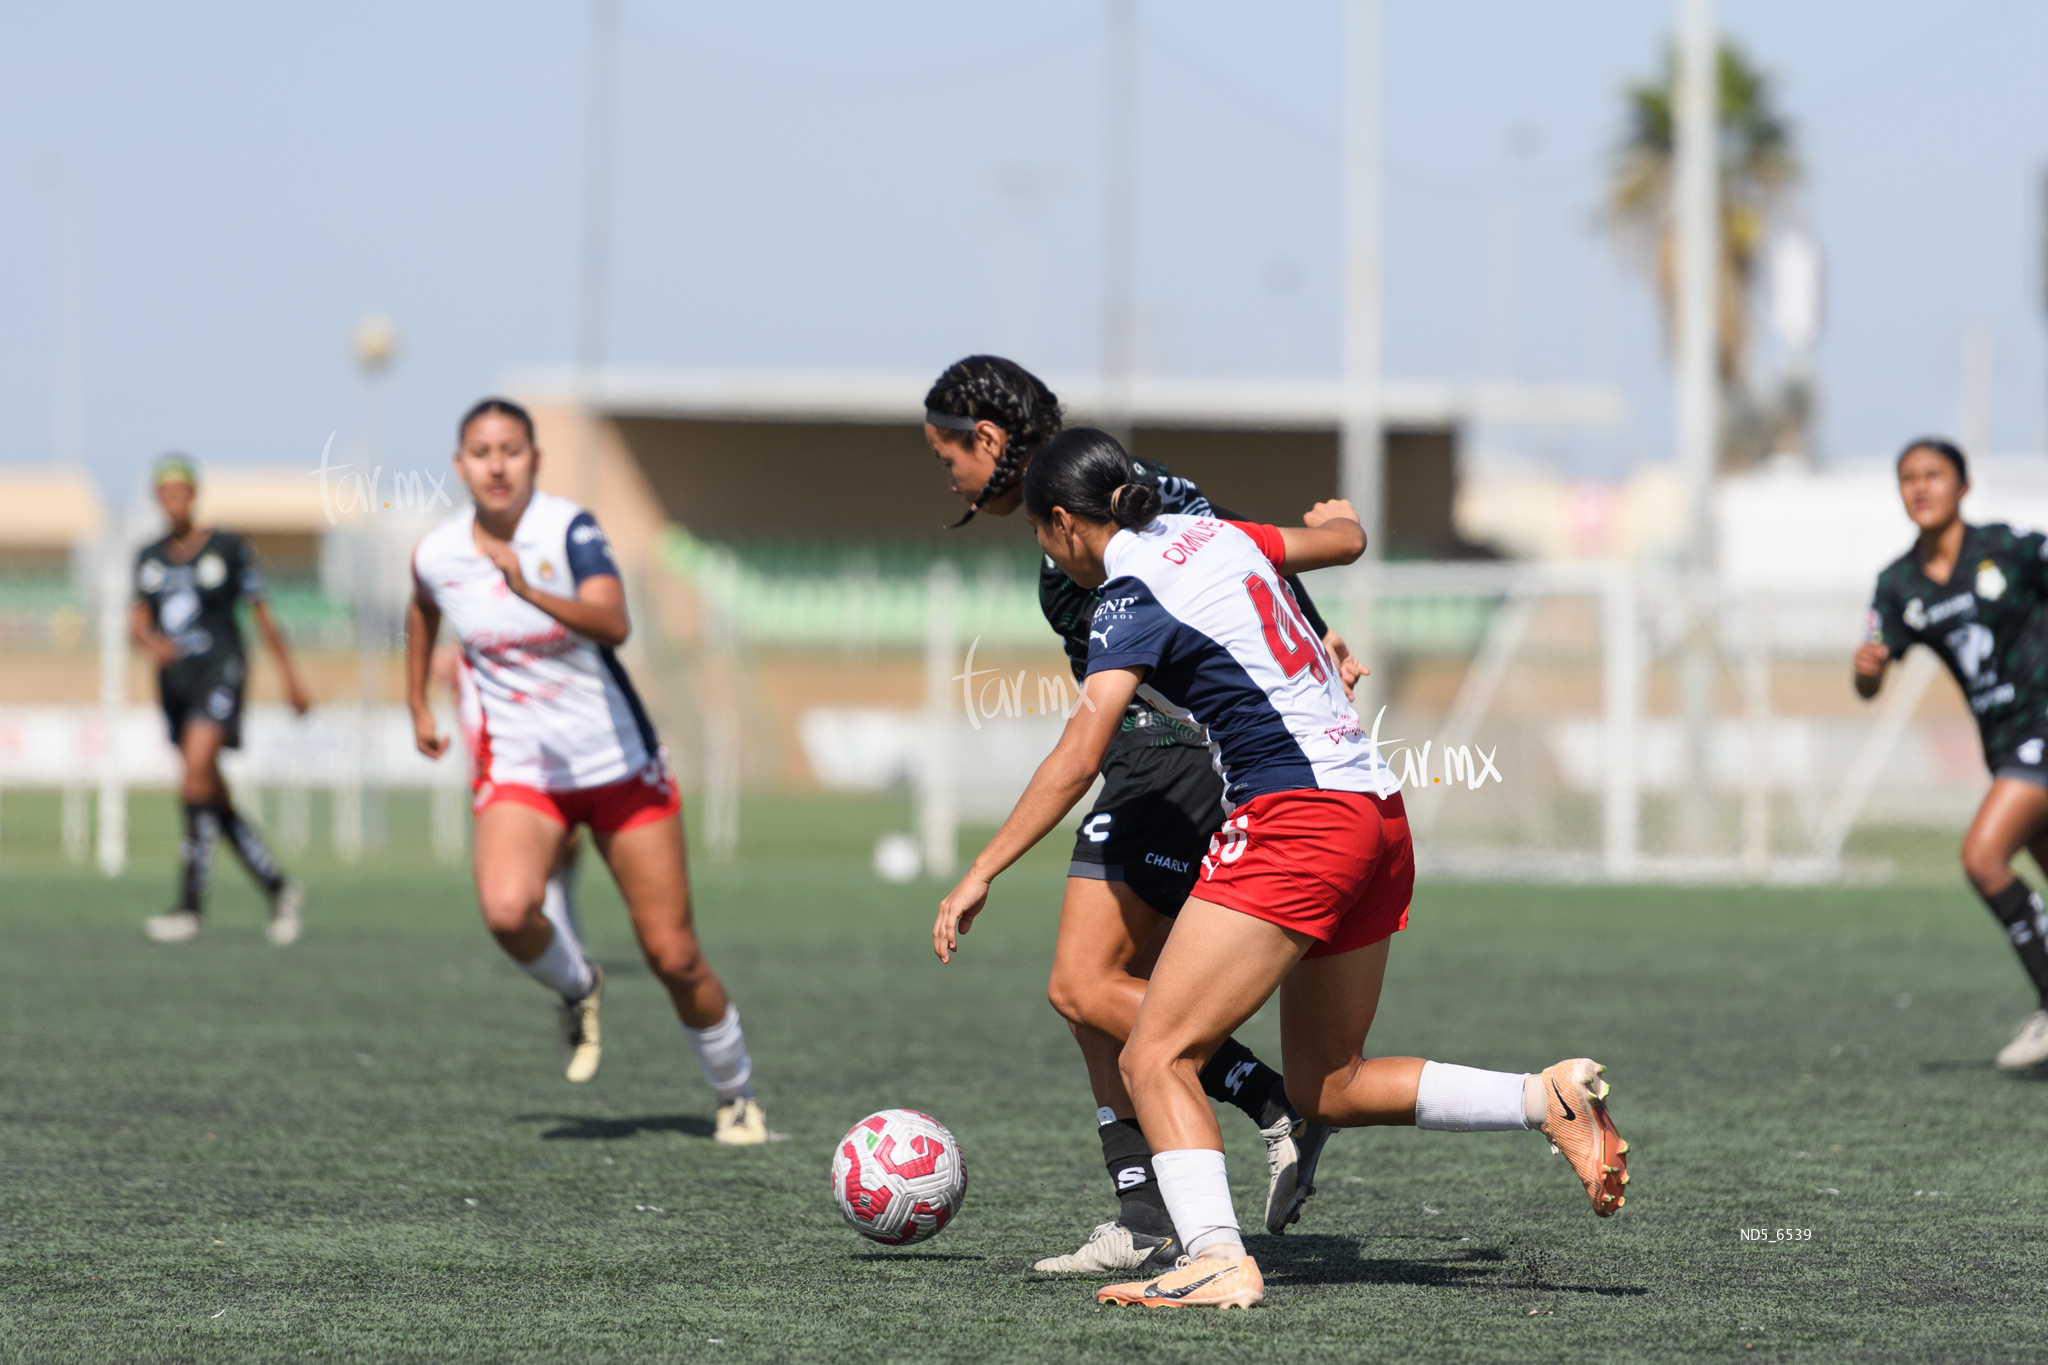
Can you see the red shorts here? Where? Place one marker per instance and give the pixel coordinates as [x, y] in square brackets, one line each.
[1336, 866]
[649, 796]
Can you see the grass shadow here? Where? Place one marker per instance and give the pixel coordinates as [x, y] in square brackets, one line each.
[1308, 1259]
[588, 1128]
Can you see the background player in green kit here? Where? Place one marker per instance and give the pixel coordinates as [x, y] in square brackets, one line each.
[1978, 597]
[187, 587]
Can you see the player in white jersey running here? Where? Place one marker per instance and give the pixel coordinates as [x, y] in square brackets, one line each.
[558, 738]
[1302, 888]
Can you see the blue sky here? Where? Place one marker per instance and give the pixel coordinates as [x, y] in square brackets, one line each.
[893, 185]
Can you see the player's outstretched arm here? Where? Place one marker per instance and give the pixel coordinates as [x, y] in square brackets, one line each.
[422, 625]
[273, 640]
[597, 612]
[1061, 780]
[1870, 662]
[1328, 536]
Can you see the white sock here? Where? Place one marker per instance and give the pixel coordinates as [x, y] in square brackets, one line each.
[560, 911]
[722, 1052]
[1197, 1191]
[562, 968]
[1464, 1099]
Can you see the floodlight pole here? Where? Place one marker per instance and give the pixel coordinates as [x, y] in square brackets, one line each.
[1119, 216]
[1696, 177]
[1361, 442]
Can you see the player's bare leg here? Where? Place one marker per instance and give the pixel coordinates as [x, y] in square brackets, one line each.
[2014, 815]
[1219, 967]
[1326, 1009]
[517, 848]
[1109, 939]
[652, 870]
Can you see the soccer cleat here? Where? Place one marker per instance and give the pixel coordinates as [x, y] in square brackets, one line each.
[2029, 1046]
[582, 1044]
[1578, 1128]
[1207, 1283]
[1293, 1147]
[286, 918]
[179, 926]
[742, 1123]
[1113, 1249]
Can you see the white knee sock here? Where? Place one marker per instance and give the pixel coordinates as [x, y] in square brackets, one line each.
[560, 910]
[722, 1052]
[1464, 1099]
[1197, 1194]
[562, 968]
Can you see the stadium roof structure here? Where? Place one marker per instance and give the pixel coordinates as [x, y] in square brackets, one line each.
[838, 454]
[1243, 404]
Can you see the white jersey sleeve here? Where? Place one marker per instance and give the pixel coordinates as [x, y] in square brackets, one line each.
[542, 706]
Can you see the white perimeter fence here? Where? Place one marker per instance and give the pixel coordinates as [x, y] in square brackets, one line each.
[1529, 709]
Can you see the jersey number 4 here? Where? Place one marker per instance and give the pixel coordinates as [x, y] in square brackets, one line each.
[1294, 646]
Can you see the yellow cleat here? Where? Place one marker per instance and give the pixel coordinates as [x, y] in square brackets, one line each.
[582, 1044]
[1207, 1283]
[1580, 1130]
[743, 1123]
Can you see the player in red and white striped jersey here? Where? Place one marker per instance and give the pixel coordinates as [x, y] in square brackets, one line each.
[557, 738]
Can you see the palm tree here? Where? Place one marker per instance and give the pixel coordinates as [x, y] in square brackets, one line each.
[1758, 167]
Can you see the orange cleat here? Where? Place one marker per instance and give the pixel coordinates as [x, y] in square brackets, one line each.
[1579, 1128]
[1191, 1283]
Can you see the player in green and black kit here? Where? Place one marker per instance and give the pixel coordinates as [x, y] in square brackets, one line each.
[1978, 597]
[187, 587]
[1138, 851]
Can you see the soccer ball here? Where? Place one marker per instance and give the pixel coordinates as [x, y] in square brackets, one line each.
[898, 1177]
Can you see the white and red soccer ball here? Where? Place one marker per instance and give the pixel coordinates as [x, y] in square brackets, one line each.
[898, 1177]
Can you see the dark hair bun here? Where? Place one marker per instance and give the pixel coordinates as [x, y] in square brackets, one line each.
[1088, 473]
[1134, 504]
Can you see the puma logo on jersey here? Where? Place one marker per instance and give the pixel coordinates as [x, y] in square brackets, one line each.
[1103, 634]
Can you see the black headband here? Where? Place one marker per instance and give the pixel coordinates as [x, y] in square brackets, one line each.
[946, 421]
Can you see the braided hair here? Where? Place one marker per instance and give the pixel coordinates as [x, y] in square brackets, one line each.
[988, 388]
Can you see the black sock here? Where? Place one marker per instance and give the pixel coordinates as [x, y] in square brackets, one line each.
[247, 842]
[195, 856]
[1235, 1076]
[1129, 1159]
[2019, 910]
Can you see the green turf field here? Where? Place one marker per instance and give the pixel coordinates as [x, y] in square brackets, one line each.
[359, 1148]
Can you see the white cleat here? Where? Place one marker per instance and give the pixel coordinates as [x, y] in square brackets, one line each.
[1293, 1147]
[582, 1044]
[1113, 1249]
[287, 915]
[743, 1123]
[179, 926]
[2029, 1046]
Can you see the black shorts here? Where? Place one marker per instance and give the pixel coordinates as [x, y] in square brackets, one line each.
[1159, 805]
[210, 694]
[2023, 762]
